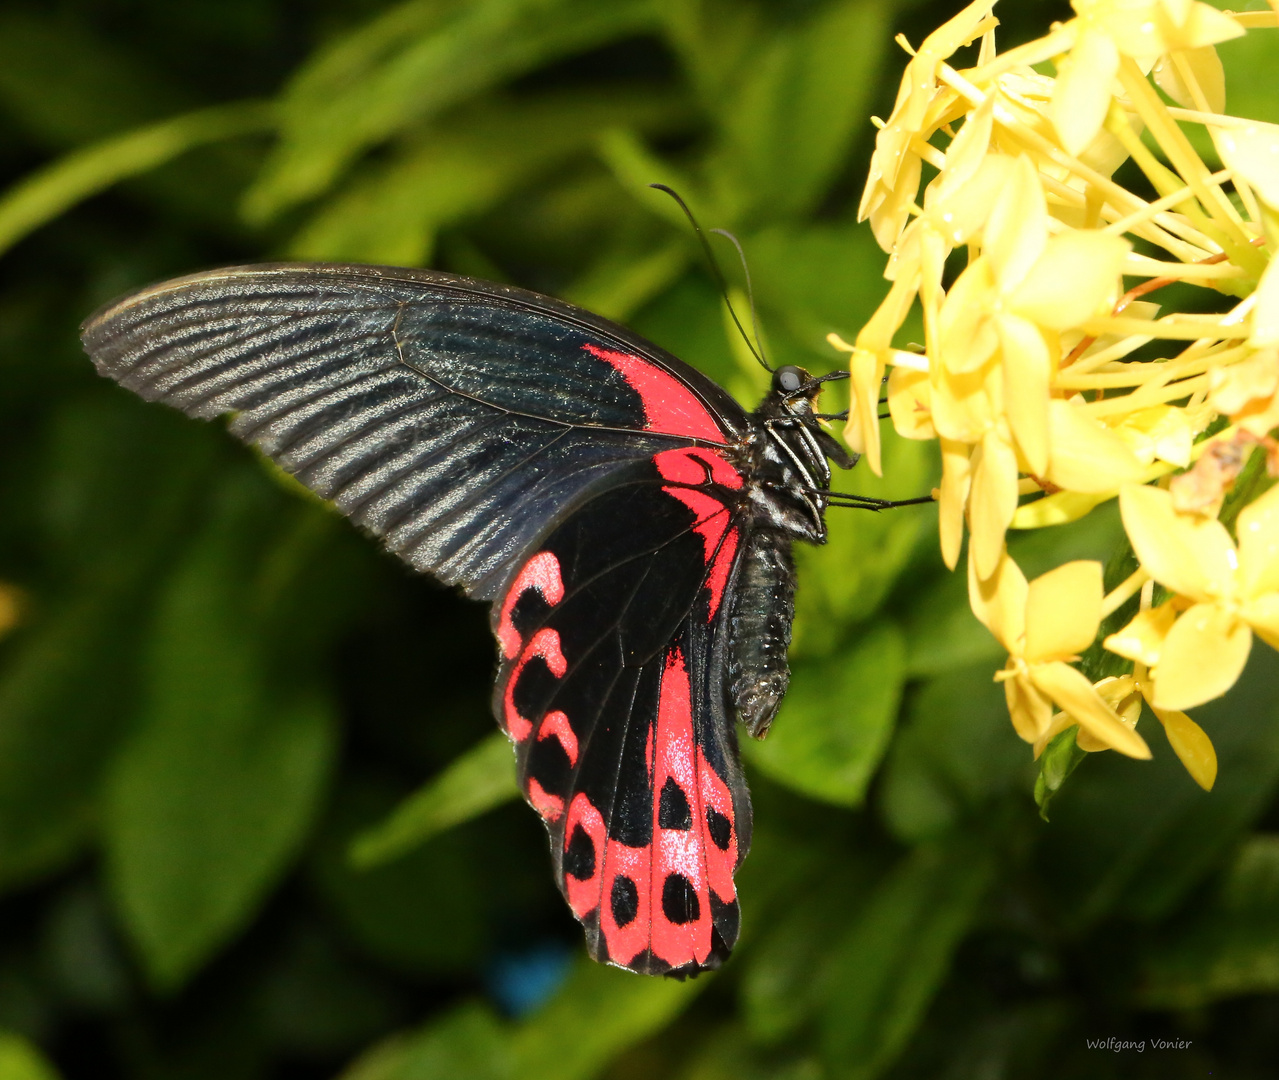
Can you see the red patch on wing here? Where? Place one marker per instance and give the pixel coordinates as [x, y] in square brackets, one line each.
[551, 807]
[541, 572]
[584, 893]
[679, 851]
[670, 407]
[721, 567]
[546, 644]
[697, 465]
[687, 859]
[555, 724]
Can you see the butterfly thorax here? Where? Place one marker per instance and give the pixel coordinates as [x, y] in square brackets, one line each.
[790, 472]
[789, 477]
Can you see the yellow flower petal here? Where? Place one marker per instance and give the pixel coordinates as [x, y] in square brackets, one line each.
[965, 156]
[1082, 91]
[1027, 368]
[962, 211]
[1191, 744]
[1059, 508]
[866, 370]
[1258, 530]
[1262, 614]
[967, 405]
[1252, 153]
[999, 602]
[1202, 657]
[966, 338]
[889, 217]
[1265, 312]
[1086, 455]
[1076, 278]
[1121, 694]
[1072, 691]
[1060, 722]
[1029, 708]
[1188, 553]
[1143, 638]
[1206, 69]
[992, 500]
[1160, 431]
[910, 403]
[1063, 610]
[1235, 388]
[1017, 231]
[956, 476]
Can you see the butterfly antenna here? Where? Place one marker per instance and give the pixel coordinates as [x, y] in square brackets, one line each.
[758, 353]
[750, 295]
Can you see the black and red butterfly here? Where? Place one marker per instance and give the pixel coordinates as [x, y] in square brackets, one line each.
[630, 524]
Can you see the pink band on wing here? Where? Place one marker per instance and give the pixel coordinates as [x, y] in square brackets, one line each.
[669, 406]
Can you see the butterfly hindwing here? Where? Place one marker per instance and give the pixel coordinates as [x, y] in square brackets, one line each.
[612, 687]
[452, 418]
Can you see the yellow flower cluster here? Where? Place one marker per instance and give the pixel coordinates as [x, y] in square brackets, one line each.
[1017, 251]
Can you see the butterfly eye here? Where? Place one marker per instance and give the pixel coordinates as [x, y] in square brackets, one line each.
[790, 378]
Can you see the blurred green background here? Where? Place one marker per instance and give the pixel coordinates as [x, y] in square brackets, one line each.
[255, 820]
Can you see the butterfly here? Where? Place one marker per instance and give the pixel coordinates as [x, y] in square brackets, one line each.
[628, 522]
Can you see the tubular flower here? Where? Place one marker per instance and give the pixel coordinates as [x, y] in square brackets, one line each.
[1030, 377]
[1044, 624]
[1196, 644]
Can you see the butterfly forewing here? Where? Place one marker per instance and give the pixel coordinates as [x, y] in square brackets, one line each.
[548, 461]
[450, 417]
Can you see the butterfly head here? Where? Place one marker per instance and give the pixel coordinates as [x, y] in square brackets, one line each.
[795, 388]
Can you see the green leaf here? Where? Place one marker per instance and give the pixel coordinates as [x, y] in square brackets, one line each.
[468, 1041]
[410, 64]
[427, 912]
[943, 632]
[462, 167]
[791, 122]
[599, 1012]
[845, 580]
[1137, 836]
[64, 696]
[68, 687]
[622, 281]
[882, 975]
[812, 908]
[1227, 946]
[792, 271]
[67, 84]
[955, 753]
[20, 1060]
[1060, 758]
[479, 780]
[836, 721]
[56, 188]
[210, 800]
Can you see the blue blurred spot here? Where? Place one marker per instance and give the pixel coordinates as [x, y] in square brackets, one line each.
[521, 981]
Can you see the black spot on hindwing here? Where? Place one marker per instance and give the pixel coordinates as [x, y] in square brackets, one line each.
[720, 828]
[679, 900]
[579, 855]
[534, 687]
[548, 764]
[625, 900]
[673, 811]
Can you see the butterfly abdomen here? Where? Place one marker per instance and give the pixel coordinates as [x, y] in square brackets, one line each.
[760, 629]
